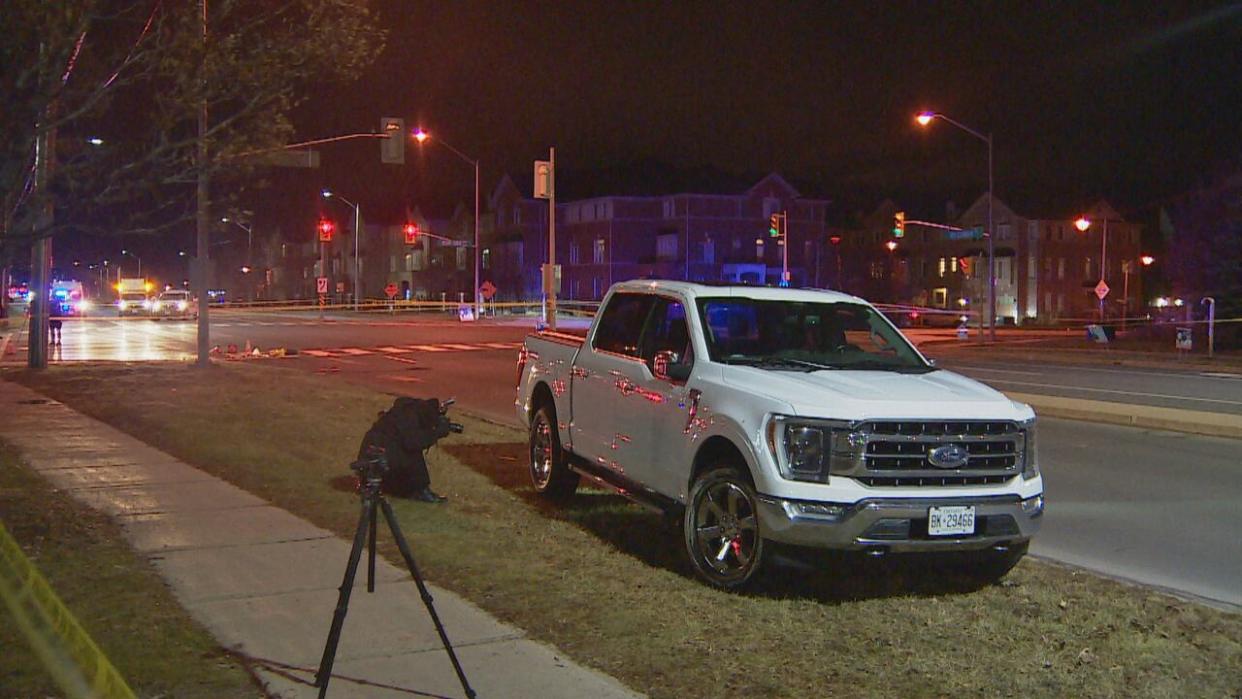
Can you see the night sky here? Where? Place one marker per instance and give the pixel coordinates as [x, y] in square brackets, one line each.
[1133, 103]
[1130, 102]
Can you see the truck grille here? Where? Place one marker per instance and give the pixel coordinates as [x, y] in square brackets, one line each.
[897, 453]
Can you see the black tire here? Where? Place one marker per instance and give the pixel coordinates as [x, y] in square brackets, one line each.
[990, 566]
[549, 467]
[721, 529]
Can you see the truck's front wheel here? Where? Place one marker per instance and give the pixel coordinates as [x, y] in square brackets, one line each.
[549, 469]
[722, 528]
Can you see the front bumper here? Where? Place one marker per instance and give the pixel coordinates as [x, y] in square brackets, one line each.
[898, 524]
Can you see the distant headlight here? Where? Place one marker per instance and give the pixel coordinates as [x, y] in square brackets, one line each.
[84, 305]
[156, 305]
[146, 304]
[182, 305]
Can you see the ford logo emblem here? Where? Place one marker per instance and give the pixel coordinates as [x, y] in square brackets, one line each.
[948, 456]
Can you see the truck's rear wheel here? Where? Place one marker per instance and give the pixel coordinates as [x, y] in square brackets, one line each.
[549, 467]
[721, 528]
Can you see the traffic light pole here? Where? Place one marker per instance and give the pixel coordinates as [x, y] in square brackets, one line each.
[785, 252]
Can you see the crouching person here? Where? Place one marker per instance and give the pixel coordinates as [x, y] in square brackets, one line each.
[404, 432]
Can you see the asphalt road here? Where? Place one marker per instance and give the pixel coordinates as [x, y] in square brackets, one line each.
[1158, 508]
[1188, 389]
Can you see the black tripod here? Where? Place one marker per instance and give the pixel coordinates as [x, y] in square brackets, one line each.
[370, 474]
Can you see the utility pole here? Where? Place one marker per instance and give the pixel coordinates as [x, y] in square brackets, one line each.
[552, 238]
[41, 253]
[202, 222]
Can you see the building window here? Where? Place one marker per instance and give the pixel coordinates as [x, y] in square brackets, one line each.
[392, 263]
[461, 258]
[771, 205]
[573, 253]
[942, 266]
[758, 249]
[953, 264]
[666, 247]
[1086, 268]
[940, 297]
[707, 251]
[487, 259]
[598, 255]
[1003, 232]
[1060, 268]
[670, 208]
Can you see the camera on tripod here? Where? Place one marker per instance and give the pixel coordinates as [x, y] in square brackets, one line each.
[392, 449]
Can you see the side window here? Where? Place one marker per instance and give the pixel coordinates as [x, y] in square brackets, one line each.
[666, 331]
[621, 322]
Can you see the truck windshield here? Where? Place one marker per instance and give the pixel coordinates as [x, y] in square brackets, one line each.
[804, 336]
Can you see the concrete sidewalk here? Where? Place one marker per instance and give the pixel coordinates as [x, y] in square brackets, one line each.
[265, 583]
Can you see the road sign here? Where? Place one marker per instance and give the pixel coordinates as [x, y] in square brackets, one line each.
[391, 290]
[975, 233]
[487, 290]
[321, 285]
[1185, 340]
[1101, 290]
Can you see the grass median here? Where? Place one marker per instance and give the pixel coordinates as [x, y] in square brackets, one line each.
[117, 596]
[605, 580]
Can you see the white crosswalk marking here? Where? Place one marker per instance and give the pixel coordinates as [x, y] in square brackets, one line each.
[392, 350]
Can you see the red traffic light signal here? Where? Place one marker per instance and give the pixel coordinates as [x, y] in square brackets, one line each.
[326, 229]
[834, 239]
[411, 233]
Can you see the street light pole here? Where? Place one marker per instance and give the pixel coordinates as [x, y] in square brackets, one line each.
[420, 135]
[924, 119]
[126, 252]
[328, 194]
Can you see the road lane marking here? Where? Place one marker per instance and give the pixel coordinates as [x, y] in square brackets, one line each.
[401, 377]
[997, 371]
[1189, 374]
[318, 353]
[428, 348]
[402, 359]
[502, 345]
[354, 351]
[1220, 375]
[451, 345]
[1118, 392]
[394, 350]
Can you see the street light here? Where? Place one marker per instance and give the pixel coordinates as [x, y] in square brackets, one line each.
[249, 228]
[924, 119]
[1082, 224]
[328, 194]
[126, 252]
[421, 136]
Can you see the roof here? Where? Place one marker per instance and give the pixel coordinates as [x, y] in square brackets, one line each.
[694, 290]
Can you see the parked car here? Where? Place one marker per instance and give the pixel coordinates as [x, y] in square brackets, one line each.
[174, 303]
[777, 416]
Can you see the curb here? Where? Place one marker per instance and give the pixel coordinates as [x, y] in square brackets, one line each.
[1147, 416]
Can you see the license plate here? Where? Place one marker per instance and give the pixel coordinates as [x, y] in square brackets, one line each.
[943, 521]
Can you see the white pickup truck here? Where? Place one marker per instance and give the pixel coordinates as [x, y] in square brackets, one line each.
[771, 415]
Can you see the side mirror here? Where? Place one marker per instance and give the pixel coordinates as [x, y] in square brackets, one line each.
[667, 366]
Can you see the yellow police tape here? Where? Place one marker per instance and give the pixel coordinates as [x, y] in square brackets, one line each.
[70, 656]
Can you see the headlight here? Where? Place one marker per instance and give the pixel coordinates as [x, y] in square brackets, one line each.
[182, 305]
[799, 449]
[156, 306]
[1030, 459]
[84, 305]
[146, 304]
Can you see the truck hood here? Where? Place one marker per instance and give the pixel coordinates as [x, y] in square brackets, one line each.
[860, 395]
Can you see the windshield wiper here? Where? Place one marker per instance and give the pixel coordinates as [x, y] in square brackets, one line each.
[880, 365]
[769, 362]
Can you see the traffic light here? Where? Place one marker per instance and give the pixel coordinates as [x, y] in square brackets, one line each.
[899, 224]
[834, 239]
[326, 229]
[411, 233]
[774, 226]
[392, 146]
